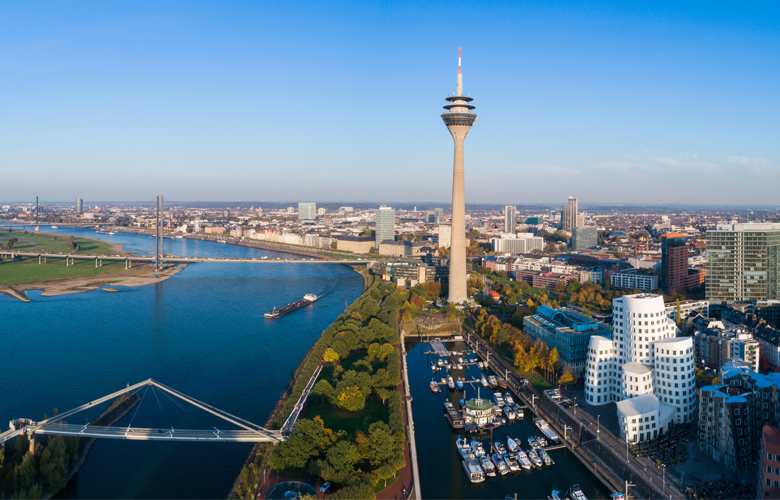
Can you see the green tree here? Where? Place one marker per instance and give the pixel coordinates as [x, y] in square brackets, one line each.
[383, 444]
[27, 471]
[343, 456]
[385, 472]
[322, 389]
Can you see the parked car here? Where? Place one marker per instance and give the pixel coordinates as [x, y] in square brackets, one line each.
[325, 487]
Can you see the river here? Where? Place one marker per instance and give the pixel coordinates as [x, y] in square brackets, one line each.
[441, 470]
[201, 332]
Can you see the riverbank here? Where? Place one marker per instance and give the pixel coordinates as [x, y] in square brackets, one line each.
[140, 275]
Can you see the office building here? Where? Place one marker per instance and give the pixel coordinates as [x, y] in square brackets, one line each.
[307, 211]
[568, 331]
[458, 120]
[644, 357]
[356, 244]
[509, 219]
[516, 243]
[569, 215]
[445, 235]
[534, 221]
[674, 262]
[79, 206]
[687, 307]
[385, 225]
[584, 237]
[769, 462]
[743, 263]
[635, 279]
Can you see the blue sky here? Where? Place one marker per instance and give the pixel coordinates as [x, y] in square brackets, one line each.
[651, 102]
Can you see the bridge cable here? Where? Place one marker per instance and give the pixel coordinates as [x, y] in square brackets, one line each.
[130, 425]
[185, 409]
[167, 424]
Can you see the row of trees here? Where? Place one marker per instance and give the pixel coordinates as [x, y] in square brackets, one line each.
[529, 355]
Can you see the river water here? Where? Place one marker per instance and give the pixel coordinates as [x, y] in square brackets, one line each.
[201, 332]
[441, 470]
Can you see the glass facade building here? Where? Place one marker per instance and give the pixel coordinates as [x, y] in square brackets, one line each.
[743, 263]
[385, 225]
[307, 211]
[584, 237]
[568, 331]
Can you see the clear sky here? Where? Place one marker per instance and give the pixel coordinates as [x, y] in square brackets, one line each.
[665, 102]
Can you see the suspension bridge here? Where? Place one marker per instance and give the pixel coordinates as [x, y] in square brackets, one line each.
[248, 432]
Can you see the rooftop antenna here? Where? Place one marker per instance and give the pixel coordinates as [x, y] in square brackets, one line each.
[460, 76]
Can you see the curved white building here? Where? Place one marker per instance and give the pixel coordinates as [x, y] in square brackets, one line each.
[645, 356]
[675, 377]
[637, 380]
[601, 375]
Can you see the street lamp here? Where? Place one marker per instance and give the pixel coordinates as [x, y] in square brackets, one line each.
[627, 485]
[663, 468]
[575, 407]
[533, 401]
[598, 430]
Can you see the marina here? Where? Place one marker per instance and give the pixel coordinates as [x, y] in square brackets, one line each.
[505, 472]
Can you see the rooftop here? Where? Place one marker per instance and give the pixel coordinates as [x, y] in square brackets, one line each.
[639, 405]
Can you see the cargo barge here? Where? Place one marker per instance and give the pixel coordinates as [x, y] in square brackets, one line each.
[309, 298]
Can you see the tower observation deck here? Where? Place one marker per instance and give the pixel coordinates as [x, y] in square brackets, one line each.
[458, 120]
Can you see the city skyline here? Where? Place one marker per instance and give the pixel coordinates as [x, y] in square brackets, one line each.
[120, 101]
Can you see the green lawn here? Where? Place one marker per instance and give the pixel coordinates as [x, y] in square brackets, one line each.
[32, 242]
[351, 422]
[540, 383]
[27, 270]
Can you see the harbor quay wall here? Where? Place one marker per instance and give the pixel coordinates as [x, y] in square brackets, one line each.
[609, 467]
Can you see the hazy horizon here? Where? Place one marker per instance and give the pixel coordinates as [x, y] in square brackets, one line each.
[657, 103]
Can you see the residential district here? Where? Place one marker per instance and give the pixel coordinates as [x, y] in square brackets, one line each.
[665, 318]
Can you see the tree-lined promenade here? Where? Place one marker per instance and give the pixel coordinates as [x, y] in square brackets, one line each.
[353, 431]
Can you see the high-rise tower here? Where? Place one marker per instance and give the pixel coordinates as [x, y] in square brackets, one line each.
[459, 120]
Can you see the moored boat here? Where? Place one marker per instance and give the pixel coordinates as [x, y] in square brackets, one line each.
[509, 413]
[473, 471]
[576, 493]
[477, 448]
[512, 444]
[523, 459]
[534, 458]
[484, 381]
[450, 382]
[508, 399]
[488, 466]
[459, 384]
[511, 461]
[434, 387]
[499, 448]
[556, 495]
[480, 364]
[503, 469]
[492, 381]
[545, 457]
[464, 448]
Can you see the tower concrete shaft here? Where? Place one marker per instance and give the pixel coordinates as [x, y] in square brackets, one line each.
[458, 120]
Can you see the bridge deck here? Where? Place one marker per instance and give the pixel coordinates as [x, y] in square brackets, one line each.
[183, 260]
[146, 434]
